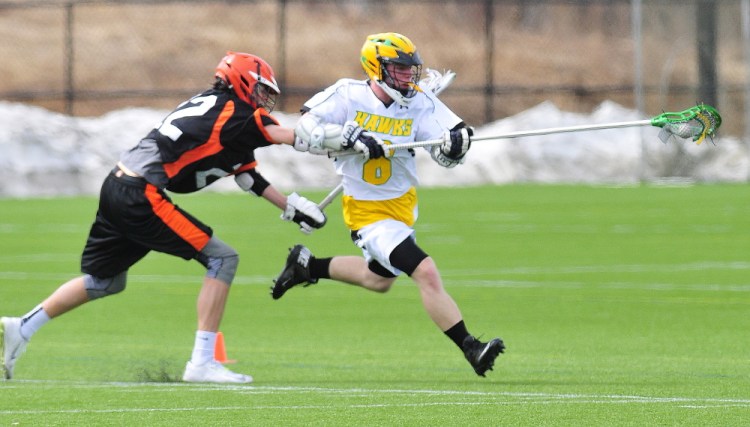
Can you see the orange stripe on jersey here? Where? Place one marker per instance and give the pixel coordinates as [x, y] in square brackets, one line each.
[212, 146]
[258, 115]
[175, 220]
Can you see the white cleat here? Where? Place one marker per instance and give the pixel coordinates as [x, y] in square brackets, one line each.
[12, 344]
[213, 372]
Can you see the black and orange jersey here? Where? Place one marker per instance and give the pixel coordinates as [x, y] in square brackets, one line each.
[210, 136]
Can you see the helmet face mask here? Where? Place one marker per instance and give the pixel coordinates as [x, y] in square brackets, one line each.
[391, 60]
[250, 78]
[264, 97]
[401, 78]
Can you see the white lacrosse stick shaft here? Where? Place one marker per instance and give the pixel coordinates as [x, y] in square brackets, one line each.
[510, 135]
[332, 195]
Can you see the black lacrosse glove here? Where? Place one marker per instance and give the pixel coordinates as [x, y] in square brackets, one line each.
[457, 142]
[356, 138]
[373, 144]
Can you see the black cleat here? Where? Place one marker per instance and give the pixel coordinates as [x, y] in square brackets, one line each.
[295, 272]
[482, 355]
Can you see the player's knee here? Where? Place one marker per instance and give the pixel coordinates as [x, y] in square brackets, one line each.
[223, 268]
[378, 278]
[382, 287]
[427, 277]
[221, 260]
[100, 287]
[428, 270]
[379, 284]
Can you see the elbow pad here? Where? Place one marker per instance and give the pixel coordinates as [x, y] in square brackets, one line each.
[252, 182]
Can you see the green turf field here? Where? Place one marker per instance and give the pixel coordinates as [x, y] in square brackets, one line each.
[619, 306]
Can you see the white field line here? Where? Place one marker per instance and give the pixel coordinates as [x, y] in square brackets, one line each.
[549, 284]
[319, 407]
[740, 265]
[627, 268]
[40, 257]
[468, 398]
[17, 276]
[458, 278]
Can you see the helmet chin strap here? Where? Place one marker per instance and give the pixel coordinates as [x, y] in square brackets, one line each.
[395, 95]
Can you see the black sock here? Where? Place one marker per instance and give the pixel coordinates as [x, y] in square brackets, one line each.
[458, 333]
[319, 268]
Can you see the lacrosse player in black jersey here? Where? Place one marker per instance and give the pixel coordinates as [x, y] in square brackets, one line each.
[210, 136]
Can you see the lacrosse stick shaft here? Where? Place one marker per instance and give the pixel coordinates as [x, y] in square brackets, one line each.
[511, 135]
[332, 195]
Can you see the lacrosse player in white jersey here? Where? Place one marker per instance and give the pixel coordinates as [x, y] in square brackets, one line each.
[379, 184]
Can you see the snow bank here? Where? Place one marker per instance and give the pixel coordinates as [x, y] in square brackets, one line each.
[50, 154]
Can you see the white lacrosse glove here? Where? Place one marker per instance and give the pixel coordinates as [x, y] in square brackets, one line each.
[361, 141]
[304, 146]
[316, 137]
[452, 151]
[304, 212]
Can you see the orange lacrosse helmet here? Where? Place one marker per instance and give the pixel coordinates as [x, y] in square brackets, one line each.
[251, 79]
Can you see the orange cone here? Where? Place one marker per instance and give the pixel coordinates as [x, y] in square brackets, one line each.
[220, 351]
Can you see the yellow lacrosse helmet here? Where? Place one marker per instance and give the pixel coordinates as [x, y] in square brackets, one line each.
[391, 48]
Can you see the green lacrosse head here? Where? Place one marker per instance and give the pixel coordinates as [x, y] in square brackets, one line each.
[698, 122]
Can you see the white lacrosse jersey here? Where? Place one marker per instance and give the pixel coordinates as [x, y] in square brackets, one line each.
[381, 188]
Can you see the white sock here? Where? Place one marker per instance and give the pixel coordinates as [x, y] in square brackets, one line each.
[203, 351]
[32, 321]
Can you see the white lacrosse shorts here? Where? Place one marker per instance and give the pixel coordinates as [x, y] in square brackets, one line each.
[379, 239]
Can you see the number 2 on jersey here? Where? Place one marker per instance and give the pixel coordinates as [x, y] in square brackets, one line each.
[199, 106]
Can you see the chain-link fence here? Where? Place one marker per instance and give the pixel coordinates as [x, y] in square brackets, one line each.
[89, 57]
